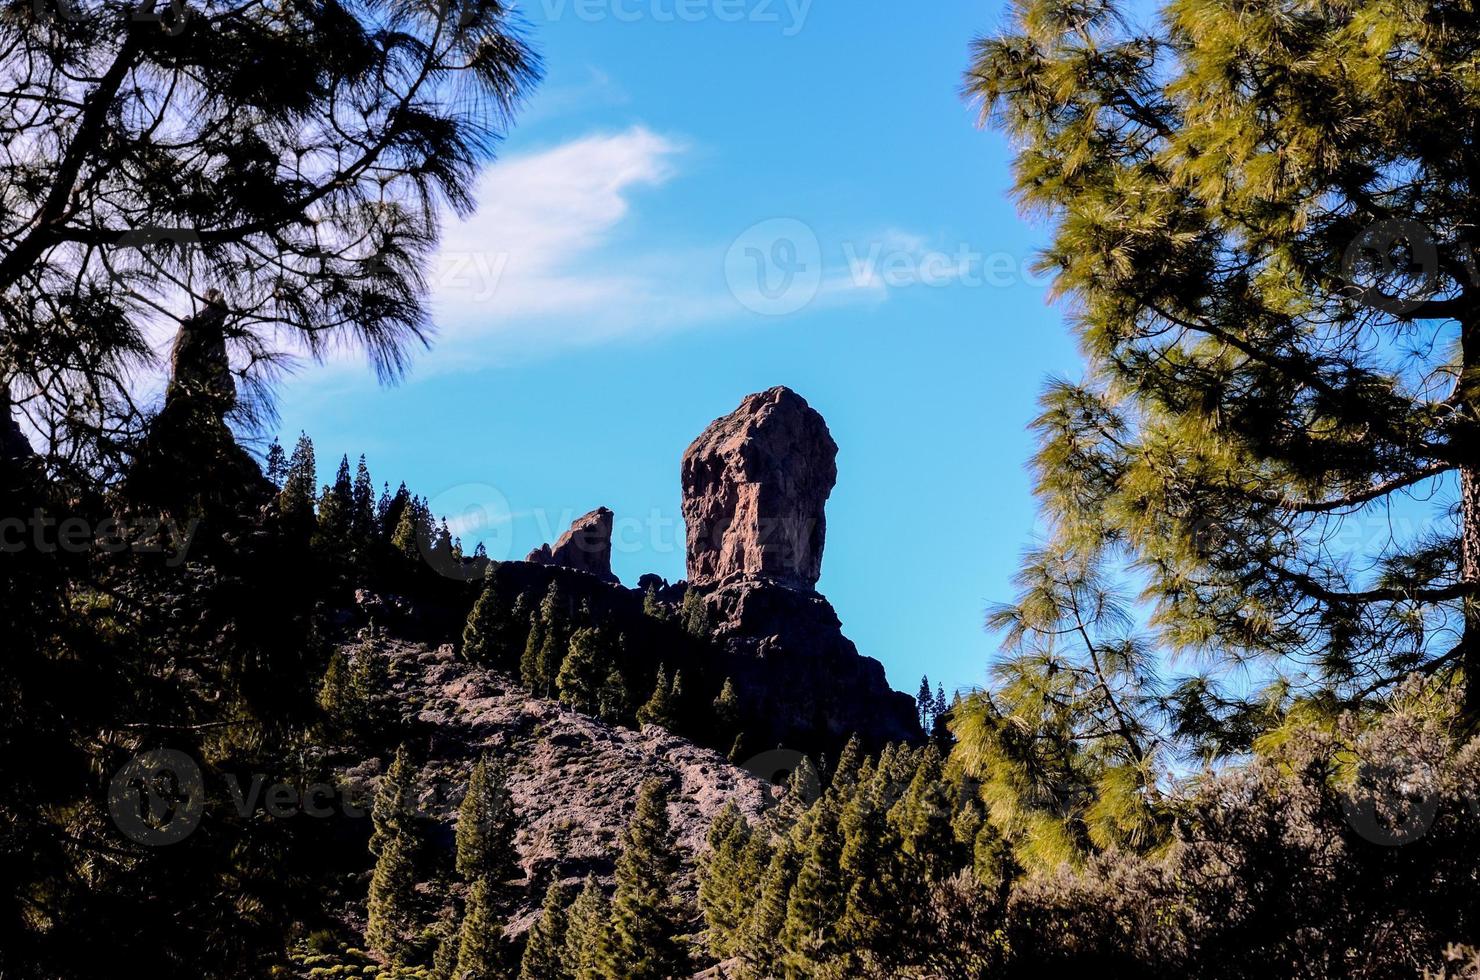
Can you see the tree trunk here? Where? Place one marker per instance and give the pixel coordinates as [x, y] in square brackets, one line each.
[1468, 393]
[13, 442]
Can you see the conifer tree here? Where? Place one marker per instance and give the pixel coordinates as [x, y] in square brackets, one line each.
[529, 662]
[659, 708]
[587, 934]
[480, 948]
[296, 501]
[276, 469]
[544, 950]
[614, 702]
[480, 631]
[879, 902]
[727, 708]
[334, 537]
[850, 761]
[923, 817]
[646, 917]
[393, 812]
[695, 616]
[925, 704]
[1279, 311]
[582, 673]
[362, 511]
[760, 944]
[725, 894]
[817, 899]
[486, 826]
[390, 911]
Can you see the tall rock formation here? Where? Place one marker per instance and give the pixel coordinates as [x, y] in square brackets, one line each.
[586, 547]
[754, 486]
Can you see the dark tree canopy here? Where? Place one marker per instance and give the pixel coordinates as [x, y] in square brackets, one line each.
[270, 176]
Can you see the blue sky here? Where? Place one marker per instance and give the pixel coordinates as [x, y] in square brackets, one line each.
[707, 198]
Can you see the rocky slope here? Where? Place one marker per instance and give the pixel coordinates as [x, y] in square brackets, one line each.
[574, 779]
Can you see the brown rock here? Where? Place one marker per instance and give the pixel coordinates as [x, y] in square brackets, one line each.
[586, 547]
[754, 487]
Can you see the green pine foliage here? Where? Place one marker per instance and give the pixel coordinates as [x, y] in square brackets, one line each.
[727, 709]
[393, 812]
[583, 672]
[544, 950]
[661, 708]
[723, 893]
[391, 909]
[587, 934]
[481, 950]
[529, 661]
[486, 828]
[647, 919]
[614, 701]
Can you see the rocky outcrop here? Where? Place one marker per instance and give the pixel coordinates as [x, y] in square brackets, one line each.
[586, 547]
[799, 676]
[754, 486]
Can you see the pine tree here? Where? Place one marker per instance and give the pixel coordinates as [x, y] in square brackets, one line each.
[614, 702]
[296, 501]
[393, 811]
[480, 948]
[817, 900]
[363, 518]
[390, 912]
[923, 816]
[646, 919]
[582, 673]
[763, 927]
[925, 704]
[879, 903]
[654, 607]
[725, 893]
[727, 708]
[587, 934]
[276, 469]
[486, 825]
[544, 950]
[529, 663]
[695, 616]
[334, 537]
[845, 776]
[659, 709]
[413, 534]
[496, 630]
[1242, 275]
[212, 143]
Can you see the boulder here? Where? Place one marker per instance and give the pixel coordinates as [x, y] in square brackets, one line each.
[754, 487]
[586, 547]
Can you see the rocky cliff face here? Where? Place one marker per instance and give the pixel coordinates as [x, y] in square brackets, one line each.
[754, 486]
[586, 547]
